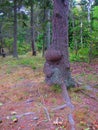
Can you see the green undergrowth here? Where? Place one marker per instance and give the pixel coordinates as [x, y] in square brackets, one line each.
[82, 54]
[77, 89]
[26, 60]
[79, 57]
[56, 88]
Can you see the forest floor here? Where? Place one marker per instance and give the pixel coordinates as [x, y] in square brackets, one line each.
[26, 101]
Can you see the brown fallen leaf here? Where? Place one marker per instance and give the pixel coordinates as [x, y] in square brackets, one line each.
[0, 120]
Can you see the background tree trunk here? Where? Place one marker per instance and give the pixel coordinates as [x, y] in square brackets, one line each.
[57, 66]
[48, 35]
[0, 37]
[81, 32]
[15, 54]
[44, 32]
[32, 31]
[90, 28]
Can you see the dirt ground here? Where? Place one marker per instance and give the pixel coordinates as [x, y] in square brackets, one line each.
[27, 103]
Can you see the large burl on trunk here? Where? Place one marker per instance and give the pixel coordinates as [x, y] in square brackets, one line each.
[57, 67]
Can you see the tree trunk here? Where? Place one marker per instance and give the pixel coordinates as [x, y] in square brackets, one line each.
[15, 54]
[90, 29]
[48, 35]
[32, 31]
[74, 33]
[57, 66]
[0, 37]
[81, 33]
[44, 32]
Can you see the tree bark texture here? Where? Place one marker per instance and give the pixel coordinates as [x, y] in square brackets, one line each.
[15, 54]
[57, 66]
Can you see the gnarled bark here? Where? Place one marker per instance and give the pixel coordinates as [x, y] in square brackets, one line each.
[57, 67]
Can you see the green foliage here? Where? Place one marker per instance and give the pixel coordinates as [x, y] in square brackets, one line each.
[94, 51]
[33, 62]
[84, 49]
[82, 55]
[23, 48]
[40, 42]
[56, 88]
[45, 4]
[95, 12]
[80, 49]
[83, 52]
[25, 60]
[74, 57]
[8, 42]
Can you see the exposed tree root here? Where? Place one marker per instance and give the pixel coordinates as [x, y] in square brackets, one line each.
[43, 105]
[88, 95]
[21, 115]
[47, 113]
[66, 96]
[69, 104]
[59, 107]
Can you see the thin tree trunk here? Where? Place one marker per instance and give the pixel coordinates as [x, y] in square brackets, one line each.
[57, 66]
[0, 37]
[76, 47]
[32, 31]
[81, 33]
[44, 32]
[90, 47]
[74, 33]
[15, 53]
[71, 4]
[90, 28]
[48, 35]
